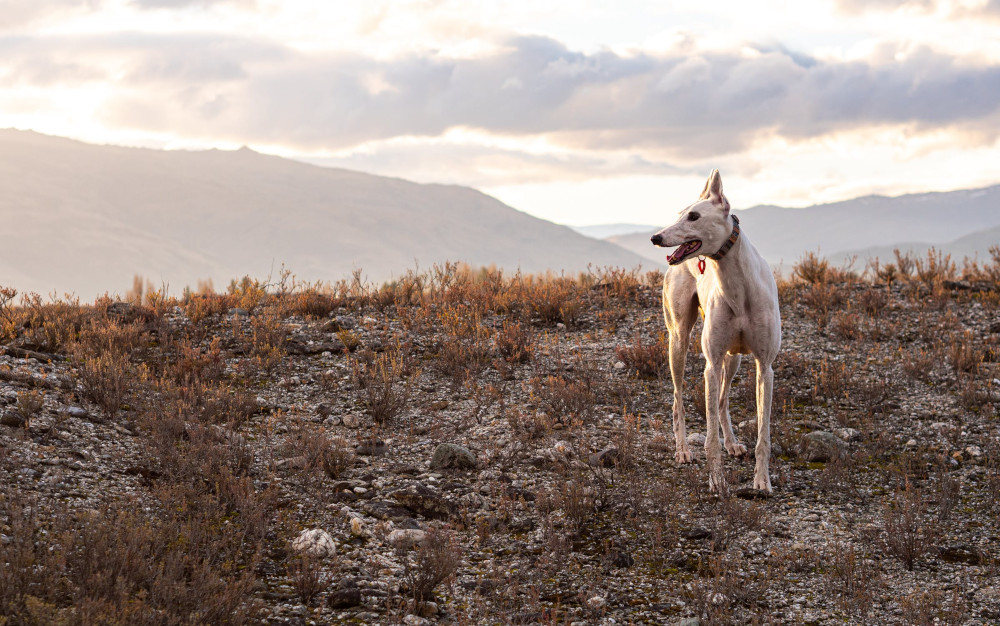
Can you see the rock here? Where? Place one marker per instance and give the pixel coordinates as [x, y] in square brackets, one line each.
[295, 462]
[427, 609]
[849, 435]
[12, 418]
[607, 457]
[358, 528]
[371, 448]
[351, 420]
[619, 365]
[696, 439]
[345, 595]
[912, 443]
[974, 452]
[415, 620]
[597, 602]
[453, 456]
[77, 412]
[323, 409]
[812, 517]
[406, 538]
[387, 511]
[689, 621]
[822, 446]
[425, 501]
[315, 542]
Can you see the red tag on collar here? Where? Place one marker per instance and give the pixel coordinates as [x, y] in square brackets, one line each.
[701, 265]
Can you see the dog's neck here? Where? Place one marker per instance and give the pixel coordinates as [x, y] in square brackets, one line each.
[729, 243]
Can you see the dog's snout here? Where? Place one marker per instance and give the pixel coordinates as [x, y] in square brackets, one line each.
[657, 239]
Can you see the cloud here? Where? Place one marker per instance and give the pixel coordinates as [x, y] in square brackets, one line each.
[486, 166]
[675, 106]
[16, 14]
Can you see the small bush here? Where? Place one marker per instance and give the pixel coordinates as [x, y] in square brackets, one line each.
[908, 533]
[385, 380]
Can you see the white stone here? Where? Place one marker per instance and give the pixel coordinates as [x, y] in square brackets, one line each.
[358, 528]
[597, 602]
[315, 541]
[696, 439]
[405, 538]
[351, 421]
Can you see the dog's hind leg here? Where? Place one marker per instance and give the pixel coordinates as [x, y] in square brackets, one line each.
[680, 310]
[765, 385]
[730, 365]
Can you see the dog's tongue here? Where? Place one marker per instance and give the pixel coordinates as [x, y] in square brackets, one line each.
[682, 250]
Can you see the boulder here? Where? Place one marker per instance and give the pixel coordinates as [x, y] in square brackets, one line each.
[822, 446]
[315, 542]
[453, 456]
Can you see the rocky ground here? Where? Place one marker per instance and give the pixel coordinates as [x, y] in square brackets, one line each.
[468, 448]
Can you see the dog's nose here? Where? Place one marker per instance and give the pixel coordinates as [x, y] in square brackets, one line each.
[657, 239]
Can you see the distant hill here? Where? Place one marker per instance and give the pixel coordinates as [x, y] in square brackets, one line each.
[973, 246]
[871, 225]
[603, 231]
[85, 219]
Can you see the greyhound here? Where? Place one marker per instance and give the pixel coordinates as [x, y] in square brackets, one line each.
[736, 292]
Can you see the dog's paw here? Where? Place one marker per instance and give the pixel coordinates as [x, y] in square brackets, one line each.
[762, 483]
[684, 456]
[717, 483]
[736, 449]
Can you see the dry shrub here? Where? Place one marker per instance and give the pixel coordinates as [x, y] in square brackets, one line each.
[965, 353]
[851, 578]
[7, 314]
[50, 327]
[203, 306]
[844, 324]
[905, 262]
[107, 380]
[332, 457]
[873, 301]
[649, 360]
[918, 363]
[909, 533]
[436, 559]
[195, 364]
[385, 381]
[929, 608]
[247, 294]
[554, 300]
[811, 269]
[122, 566]
[466, 350]
[564, 398]
[832, 379]
[936, 268]
[515, 342]
[267, 341]
[307, 576]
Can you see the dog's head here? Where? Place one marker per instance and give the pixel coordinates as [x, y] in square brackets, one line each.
[701, 228]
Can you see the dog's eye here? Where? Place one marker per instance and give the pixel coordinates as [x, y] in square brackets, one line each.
[693, 215]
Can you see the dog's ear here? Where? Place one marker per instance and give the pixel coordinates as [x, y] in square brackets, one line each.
[713, 191]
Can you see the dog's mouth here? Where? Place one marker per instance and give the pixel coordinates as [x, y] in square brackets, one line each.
[683, 251]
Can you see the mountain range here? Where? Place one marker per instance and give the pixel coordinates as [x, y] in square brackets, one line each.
[86, 219]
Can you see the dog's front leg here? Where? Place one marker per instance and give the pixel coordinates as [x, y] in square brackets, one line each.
[713, 447]
[765, 385]
[678, 353]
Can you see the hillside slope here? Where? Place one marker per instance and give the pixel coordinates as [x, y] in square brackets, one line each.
[87, 218]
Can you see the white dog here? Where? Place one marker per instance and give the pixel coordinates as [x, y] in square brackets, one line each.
[735, 289]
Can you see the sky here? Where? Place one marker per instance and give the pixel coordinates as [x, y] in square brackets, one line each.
[581, 113]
